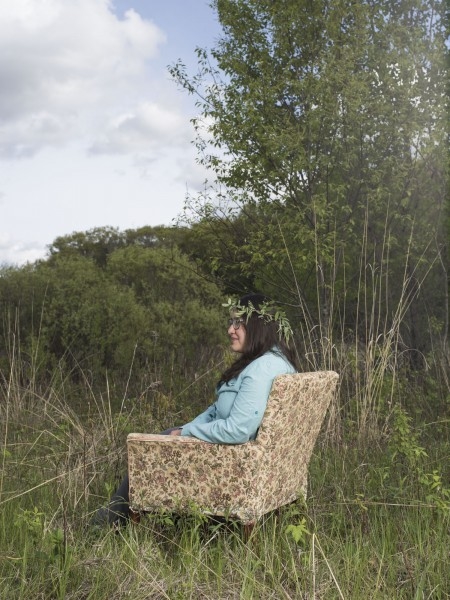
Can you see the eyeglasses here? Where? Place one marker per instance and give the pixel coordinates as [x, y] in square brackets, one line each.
[236, 322]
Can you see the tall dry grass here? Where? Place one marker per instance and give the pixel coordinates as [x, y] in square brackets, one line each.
[376, 523]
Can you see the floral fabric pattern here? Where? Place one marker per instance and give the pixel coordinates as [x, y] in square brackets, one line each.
[239, 481]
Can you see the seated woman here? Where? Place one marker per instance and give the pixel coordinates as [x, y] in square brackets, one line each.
[242, 391]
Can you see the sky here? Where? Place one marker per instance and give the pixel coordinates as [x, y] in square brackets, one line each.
[93, 132]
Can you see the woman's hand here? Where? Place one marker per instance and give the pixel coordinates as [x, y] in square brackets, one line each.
[176, 432]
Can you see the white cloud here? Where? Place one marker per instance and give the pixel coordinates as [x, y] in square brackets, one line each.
[64, 65]
[87, 106]
[15, 252]
[146, 129]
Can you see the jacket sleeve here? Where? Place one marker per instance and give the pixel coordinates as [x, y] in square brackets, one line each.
[205, 417]
[246, 413]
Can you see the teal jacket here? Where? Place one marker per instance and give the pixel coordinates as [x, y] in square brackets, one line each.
[236, 415]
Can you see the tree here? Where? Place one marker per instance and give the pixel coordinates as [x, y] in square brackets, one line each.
[330, 116]
[96, 244]
[148, 311]
[184, 308]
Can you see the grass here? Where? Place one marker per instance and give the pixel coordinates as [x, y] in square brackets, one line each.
[375, 526]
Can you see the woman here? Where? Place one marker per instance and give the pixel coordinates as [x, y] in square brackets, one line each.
[242, 392]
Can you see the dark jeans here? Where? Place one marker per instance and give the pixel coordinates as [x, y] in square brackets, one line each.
[117, 512]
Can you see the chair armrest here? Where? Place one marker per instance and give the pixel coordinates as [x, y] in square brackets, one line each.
[176, 471]
[157, 437]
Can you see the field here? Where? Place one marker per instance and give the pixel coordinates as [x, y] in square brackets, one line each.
[375, 524]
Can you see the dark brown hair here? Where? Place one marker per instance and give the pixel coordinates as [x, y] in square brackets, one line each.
[261, 337]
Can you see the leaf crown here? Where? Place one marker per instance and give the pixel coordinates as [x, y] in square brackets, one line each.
[267, 311]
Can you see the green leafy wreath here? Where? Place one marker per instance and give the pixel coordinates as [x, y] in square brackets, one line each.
[267, 311]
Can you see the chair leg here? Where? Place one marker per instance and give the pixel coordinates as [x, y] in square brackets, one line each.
[135, 517]
[248, 530]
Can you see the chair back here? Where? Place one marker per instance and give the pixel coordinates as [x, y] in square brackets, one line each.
[295, 411]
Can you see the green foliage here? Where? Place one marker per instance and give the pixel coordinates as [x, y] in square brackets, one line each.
[109, 304]
[299, 532]
[48, 545]
[32, 521]
[356, 535]
[96, 244]
[268, 311]
[324, 124]
[403, 441]
[405, 451]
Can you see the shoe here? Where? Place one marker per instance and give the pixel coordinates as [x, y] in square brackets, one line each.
[100, 518]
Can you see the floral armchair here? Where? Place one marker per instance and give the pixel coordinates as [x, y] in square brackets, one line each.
[242, 481]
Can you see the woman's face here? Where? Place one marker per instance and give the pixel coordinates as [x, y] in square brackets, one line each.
[237, 336]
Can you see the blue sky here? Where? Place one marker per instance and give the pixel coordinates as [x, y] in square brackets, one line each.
[92, 131]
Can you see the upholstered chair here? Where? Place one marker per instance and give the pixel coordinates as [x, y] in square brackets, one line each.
[243, 481]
